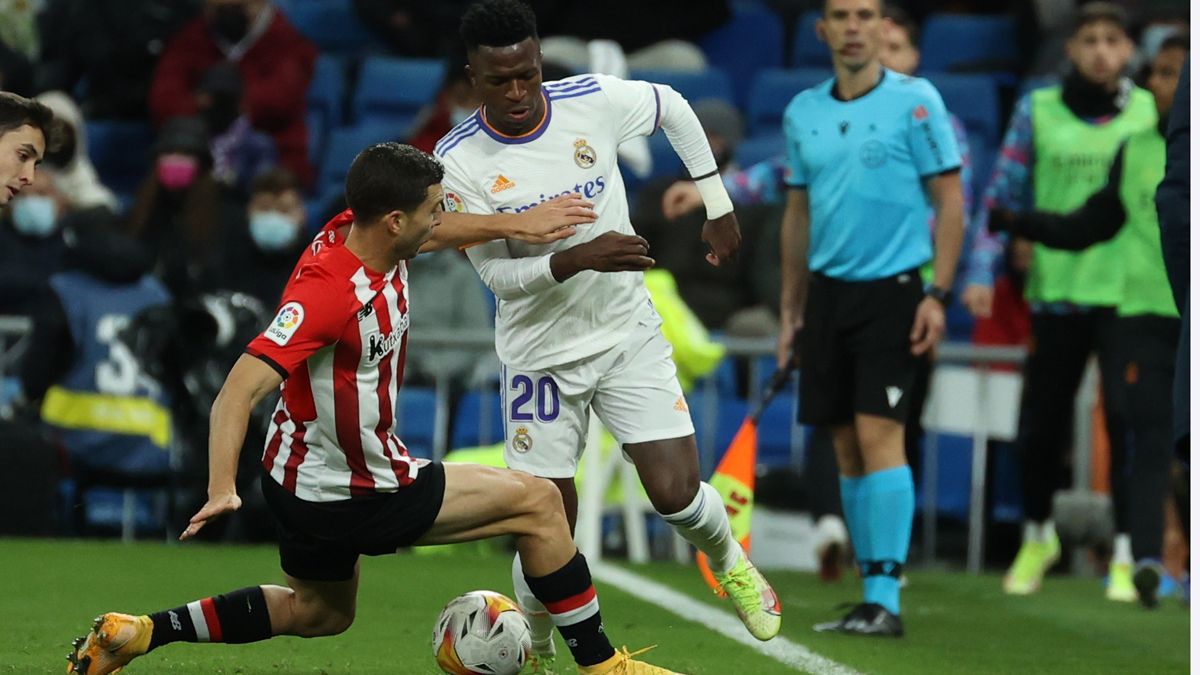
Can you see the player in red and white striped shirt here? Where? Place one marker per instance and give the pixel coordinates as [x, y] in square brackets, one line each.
[336, 477]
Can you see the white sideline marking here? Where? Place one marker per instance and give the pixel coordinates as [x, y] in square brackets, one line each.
[780, 648]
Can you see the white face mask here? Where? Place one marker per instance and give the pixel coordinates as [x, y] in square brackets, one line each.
[272, 230]
[34, 216]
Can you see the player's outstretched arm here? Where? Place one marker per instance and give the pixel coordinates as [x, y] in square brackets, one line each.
[248, 383]
[545, 223]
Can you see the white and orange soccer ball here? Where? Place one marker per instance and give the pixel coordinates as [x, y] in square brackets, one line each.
[481, 633]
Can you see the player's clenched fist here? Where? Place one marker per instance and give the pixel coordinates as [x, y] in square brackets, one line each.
[723, 238]
[610, 252]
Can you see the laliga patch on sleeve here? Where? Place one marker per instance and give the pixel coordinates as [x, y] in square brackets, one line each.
[454, 203]
[284, 326]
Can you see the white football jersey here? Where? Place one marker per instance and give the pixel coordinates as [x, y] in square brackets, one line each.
[574, 149]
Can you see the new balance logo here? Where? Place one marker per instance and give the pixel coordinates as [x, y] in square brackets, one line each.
[893, 395]
[175, 624]
[502, 184]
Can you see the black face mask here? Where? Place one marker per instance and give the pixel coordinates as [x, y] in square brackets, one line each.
[231, 23]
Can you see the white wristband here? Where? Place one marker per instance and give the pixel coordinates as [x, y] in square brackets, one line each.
[716, 199]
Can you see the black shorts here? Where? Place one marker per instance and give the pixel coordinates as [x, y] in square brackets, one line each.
[321, 541]
[855, 352]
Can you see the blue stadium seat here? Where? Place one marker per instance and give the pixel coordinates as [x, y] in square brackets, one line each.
[807, 50]
[666, 163]
[415, 411]
[121, 153]
[344, 145]
[773, 90]
[393, 91]
[775, 430]
[332, 25]
[973, 98]
[759, 148]
[712, 83]
[950, 41]
[478, 420]
[325, 99]
[751, 41]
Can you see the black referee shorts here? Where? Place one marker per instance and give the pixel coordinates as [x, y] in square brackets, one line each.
[855, 352]
[321, 541]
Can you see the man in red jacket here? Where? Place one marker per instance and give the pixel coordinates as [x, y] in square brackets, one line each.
[275, 61]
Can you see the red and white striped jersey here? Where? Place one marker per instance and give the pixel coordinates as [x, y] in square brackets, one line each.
[339, 340]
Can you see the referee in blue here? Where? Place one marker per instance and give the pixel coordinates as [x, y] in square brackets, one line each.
[869, 152]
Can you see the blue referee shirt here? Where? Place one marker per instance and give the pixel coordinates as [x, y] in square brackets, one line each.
[863, 163]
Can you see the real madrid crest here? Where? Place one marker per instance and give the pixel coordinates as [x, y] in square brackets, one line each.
[585, 155]
[522, 441]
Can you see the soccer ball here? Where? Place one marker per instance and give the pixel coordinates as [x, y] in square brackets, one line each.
[481, 632]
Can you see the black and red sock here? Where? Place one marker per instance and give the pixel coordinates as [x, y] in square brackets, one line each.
[571, 599]
[234, 618]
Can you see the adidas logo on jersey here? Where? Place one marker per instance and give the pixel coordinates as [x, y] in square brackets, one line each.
[502, 184]
[681, 405]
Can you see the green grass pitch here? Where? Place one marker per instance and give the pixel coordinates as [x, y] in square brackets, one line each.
[956, 623]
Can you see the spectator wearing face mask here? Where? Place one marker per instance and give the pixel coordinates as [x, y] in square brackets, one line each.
[455, 103]
[261, 255]
[275, 63]
[239, 151]
[180, 208]
[31, 243]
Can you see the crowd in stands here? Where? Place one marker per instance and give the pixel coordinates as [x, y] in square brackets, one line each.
[208, 139]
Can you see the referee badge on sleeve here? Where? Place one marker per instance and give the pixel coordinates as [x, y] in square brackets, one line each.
[285, 324]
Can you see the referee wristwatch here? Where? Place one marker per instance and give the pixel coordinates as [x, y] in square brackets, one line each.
[938, 293]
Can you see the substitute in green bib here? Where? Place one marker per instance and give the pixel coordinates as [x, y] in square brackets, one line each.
[1056, 153]
[1147, 323]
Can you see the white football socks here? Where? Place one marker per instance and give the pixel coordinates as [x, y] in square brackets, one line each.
[705, 525]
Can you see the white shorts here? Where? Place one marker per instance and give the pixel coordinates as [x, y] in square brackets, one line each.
[632, 387]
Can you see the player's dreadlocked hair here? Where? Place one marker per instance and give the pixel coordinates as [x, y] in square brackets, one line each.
[389, 177]
[497, 23]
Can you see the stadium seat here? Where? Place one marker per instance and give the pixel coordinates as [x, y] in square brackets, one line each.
[343, 146]
[772, 91]
[973, 99]
[775, 430]
[478, 420]
[759, 148]
[121, 152]
[712, 83]
[393, 91]
[981, 43]
[807, 50]
[750, 42]
[332, 25]
[415, 412]
[326, 95]
[666, 163]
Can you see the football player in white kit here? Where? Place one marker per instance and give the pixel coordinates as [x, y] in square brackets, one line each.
[575, 328]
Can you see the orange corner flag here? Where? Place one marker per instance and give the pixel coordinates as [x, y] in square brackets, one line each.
[734, 479]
